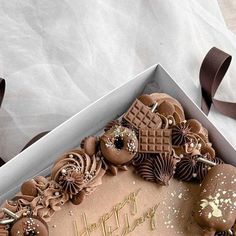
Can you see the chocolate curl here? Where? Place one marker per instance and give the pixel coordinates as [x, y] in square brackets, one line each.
[212, 71]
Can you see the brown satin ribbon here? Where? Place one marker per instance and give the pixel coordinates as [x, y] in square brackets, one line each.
[212, 71]
[2, 92]
[34, 139]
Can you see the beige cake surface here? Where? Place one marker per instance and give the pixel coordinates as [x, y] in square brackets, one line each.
[172, 215]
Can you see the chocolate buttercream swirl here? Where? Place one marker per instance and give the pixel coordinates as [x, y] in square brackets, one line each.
[159, 169]
[139, 158]
[146, 170]
[180, 133]
[186, 169]
[189, 168]
[49, 199]
[71, 181]
[76, 171]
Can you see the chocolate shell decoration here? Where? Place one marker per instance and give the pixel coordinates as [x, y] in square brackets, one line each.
[159, 169]
[77, 171]
[180, 133]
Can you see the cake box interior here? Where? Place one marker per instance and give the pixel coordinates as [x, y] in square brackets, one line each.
[38, 158]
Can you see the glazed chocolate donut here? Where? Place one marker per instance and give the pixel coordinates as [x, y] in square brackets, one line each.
[31, 225]
[119, 145]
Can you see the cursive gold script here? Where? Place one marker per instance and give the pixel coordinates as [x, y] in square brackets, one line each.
[102, 223]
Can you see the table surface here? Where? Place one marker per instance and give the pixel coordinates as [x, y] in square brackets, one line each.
[228, 8]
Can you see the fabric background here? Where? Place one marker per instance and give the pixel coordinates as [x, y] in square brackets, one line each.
[59, 56]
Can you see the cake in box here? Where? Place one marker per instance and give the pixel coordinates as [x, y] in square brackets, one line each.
[152, 171]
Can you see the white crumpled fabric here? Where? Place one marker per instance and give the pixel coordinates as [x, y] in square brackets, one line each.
[59, 56]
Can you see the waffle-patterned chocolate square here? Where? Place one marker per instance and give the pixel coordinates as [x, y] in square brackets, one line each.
[141, 116]
[155, 140]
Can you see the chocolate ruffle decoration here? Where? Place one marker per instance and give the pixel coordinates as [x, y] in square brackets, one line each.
[49, 199]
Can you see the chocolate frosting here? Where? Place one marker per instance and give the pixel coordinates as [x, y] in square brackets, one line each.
[76, 171]
[158, 169]
[189, 168]
[139, 158]
[186, 169]
[50, 198]
[180, 133]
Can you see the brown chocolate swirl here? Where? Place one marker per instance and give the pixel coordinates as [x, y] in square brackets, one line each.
[186, 169]
[139, 158]
[159, 169]
[71, 181]
[76, 171]
[180, 133]
[49, 199]
[189, 168]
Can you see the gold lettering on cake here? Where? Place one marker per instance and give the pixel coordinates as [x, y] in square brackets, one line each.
[108, 230]
[150, 214]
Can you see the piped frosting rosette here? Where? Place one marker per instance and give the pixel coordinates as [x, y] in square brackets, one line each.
[40, 197]
[78, 174]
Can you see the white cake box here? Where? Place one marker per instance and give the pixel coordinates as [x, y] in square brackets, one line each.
[38, 158]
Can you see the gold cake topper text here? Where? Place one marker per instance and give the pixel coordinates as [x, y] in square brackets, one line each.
[115, 213]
